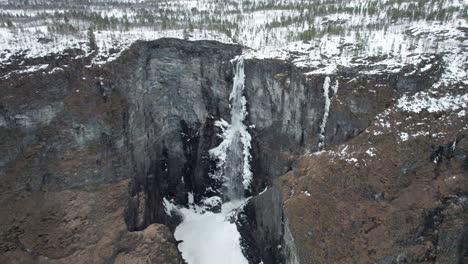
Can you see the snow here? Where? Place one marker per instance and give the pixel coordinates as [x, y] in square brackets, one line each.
[169, 207]
[264, 190]
[26, 42]
[454, 145]
[424, 101]
[426, 68]
[326, 95]
[391, 43]
[378, 133]
[236, 140]
[210, 238]
[190, 198]
[27, 70]
[371, 152]
[404, 136]
[212, 201]
[323, 124]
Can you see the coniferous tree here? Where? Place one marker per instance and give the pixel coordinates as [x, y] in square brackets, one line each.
[10, 24]
[186, 34]
[92, 40]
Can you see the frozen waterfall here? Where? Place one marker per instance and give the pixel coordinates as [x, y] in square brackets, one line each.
[233, 153]
[209, 237]
[326, 111]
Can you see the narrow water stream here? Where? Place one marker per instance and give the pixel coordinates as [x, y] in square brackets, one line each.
[213, 238]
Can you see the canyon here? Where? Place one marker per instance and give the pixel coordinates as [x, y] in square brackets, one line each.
[342, 170]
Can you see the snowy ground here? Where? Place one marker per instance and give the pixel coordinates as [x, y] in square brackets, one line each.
[209, 238]
[323, 35]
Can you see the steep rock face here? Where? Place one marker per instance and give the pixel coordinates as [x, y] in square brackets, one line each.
[175, 94]
[261, 223]
[286, 105]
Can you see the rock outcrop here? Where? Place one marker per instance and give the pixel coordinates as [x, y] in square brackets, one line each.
[378, 200]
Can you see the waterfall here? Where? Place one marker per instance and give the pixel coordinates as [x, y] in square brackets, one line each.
[233, 154]
[326, 111]
[211, 237]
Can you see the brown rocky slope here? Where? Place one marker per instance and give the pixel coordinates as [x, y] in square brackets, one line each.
[396, 193]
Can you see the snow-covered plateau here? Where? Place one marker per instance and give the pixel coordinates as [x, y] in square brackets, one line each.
[320, 35]
[384, 36]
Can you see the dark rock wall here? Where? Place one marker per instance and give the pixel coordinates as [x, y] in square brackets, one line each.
[175, 94]
[261, 224]
[286, 108]
[286, 111]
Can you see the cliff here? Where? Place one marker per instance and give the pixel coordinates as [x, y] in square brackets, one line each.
[356, 167]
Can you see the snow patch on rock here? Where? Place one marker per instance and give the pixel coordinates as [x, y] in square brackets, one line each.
[424, 101]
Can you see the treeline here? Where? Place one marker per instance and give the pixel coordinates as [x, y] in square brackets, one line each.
[222, 16]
